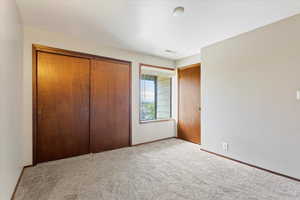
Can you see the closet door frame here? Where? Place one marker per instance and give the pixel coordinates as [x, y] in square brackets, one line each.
[41, 48]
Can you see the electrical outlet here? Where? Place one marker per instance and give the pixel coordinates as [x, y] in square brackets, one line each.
[225, 146]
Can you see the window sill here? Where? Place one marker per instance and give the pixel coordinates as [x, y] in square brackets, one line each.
[154, 121]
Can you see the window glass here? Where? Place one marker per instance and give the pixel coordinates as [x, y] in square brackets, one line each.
[148, 95]
[156, 93]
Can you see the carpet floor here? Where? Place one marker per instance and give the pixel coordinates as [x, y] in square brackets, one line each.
[166, 170]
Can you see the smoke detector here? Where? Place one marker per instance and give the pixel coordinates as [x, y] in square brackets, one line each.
[178, 11]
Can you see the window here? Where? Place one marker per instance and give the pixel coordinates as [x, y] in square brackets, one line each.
[156, 93]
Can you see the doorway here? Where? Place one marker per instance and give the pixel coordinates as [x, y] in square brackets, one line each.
[189, 126]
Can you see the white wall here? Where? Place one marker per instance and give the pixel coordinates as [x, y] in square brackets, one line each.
[10, 99]
[140, 132]
[249, 88]
[188, 61]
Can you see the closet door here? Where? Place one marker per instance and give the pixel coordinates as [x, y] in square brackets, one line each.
[63, 106]
[110, 105]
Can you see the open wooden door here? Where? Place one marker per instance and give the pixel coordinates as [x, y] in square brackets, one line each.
[189, 103]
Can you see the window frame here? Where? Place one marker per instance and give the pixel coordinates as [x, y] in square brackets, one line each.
[140, 97]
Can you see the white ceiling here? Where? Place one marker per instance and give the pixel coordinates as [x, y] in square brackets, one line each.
[148, 25]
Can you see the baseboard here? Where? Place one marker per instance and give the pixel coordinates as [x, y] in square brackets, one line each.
[18, 182]
[153, 141]
[250, 165]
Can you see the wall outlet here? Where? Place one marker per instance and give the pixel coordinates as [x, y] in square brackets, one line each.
[225, 146]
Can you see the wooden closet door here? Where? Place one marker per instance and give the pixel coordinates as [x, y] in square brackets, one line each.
[63, 106]
[110, 105]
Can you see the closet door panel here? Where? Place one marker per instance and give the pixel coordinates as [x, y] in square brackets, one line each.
[63, 84]
[110, 105]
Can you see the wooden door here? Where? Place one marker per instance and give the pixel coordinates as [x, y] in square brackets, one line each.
[110, 105]
[63, 106]
[189, 104]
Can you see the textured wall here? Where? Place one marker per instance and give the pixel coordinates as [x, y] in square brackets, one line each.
[10, 98]
[249, 85]
[188, 60]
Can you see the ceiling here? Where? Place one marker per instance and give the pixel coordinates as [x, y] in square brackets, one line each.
[148, 26]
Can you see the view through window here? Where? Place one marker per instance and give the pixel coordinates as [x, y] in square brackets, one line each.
[156, 93]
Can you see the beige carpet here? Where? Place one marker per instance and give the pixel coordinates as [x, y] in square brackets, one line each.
[170, 169]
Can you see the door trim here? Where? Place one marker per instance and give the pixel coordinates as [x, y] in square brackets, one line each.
[178, 94]
[41, 48]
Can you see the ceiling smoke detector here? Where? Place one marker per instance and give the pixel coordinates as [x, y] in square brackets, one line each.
[178, 11]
